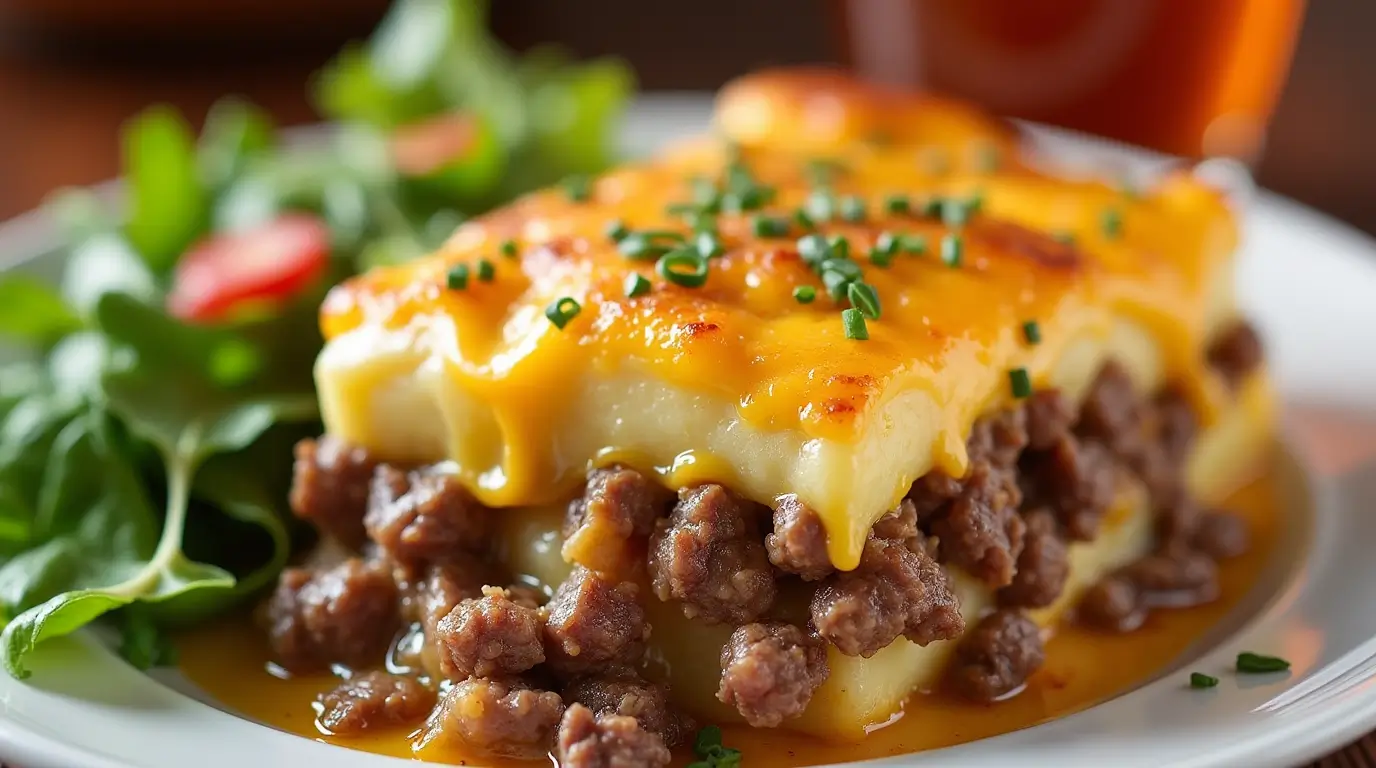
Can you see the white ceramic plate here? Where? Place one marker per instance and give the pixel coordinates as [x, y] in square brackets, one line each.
[1307, 281]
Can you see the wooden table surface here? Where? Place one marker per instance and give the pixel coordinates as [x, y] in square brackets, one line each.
[64, 100]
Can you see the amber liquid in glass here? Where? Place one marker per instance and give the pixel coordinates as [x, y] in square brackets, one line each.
[1190, 78]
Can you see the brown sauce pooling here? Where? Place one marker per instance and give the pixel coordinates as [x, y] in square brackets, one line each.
[229, 660]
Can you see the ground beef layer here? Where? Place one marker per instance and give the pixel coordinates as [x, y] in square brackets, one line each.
[507, 669]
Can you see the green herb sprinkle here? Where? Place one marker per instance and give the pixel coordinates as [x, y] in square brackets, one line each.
[1021, 383]
[457, 277]
[952, 250]
[709, 245]
[1255, 663]
[854, 323]
[864, 298]
[616, 230]
[853, 209]
[636, 285]
[1201, 680]
[1111, 222]
[562, 310]
[769, 226]
[683, 266]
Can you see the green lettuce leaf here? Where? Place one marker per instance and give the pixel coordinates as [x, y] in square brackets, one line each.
[235, 133]
[31, 311]
[168, 205]
[102, 550]
[97, 544]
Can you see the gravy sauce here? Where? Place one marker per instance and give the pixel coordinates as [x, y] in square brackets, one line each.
[229, 660]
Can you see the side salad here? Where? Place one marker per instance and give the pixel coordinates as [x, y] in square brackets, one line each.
[156, 389]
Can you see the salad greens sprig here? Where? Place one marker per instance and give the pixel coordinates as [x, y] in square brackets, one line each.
[153, 389]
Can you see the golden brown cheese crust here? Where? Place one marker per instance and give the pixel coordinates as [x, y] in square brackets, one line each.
[817, 110]
[1157, 259]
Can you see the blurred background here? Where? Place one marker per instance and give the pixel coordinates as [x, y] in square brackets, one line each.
[1173, 73]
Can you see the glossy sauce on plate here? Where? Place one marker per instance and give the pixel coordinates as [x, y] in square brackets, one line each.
[229, 661]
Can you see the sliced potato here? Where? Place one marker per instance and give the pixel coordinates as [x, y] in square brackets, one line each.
[861, 693]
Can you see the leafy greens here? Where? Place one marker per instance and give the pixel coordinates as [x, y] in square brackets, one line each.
[143, 460]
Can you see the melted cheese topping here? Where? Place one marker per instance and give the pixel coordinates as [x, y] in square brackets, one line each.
[736, 381]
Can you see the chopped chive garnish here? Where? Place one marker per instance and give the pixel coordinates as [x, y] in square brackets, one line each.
[638, 246]
[683, 266]
[616, 230]
[887, 242]
[1063, 237]
[852, 209]
[1111, 222]
[738, 175]
[931, 208]
[974, 203]
[663, 234]
[578, 187]
[649, 244]
[897, 204]
[703, 222]
[864, 298]
[880, 257]
[840, 246]
[954, 213]
[733, 203]
[854, 323]
[844, 266]
[813, 248]
[803, 220]
[562, 310]
[1255, 663]
[1201, 680]
[707, 740]
[708, 747]
[804, 294]
[709, 245]
[952, 250]
[682, 209]
[820, 205]
[724, 757]
[769, 226]
[1021, 383]
[743, 193]
[486, 270]
[1032, 332]
[509, 249]
[457, 278]
[706, 195]
[914, 245]
[836, 284]
[636, 285]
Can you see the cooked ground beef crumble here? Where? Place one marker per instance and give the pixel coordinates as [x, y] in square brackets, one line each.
[526, 675]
